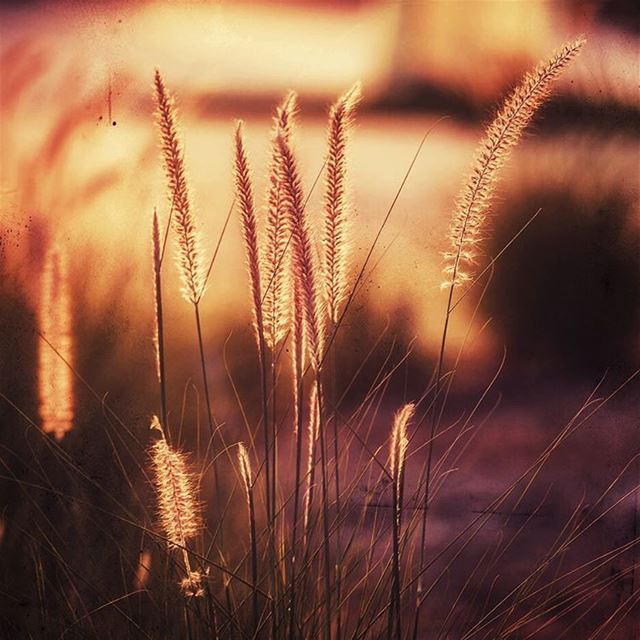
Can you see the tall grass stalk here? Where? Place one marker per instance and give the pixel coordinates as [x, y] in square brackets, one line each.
[159, 322]
[189, 256]
[275, 274]
[188, 243]
[471, 216]
[304, 272]
[397, 456]
[297, 338]
[247, 479]
[335, 265]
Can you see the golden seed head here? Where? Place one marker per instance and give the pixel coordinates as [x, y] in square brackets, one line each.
[468, 228]
[188, 249]
[275, 253]
[399, 440]
[336, 204]
[176, 489]
[245, 468]
[245, 203]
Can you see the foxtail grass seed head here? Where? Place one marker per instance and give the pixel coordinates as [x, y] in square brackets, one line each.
[55, 378]
[275, 254]
[244, 198]
[400, 440]
[245, 469]
[468, 228]
[188, 249]
[303, 263]
[176, 490]
[336, 202]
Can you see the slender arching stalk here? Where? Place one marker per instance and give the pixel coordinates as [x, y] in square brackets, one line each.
[159, 321]
[470, 219]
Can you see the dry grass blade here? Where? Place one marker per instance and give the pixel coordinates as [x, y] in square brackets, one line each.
[189, 251]
[467, 229]
[336, 204]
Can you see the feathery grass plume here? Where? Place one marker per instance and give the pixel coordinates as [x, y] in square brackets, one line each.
[399, 442]
[397, 455]
[336, 204]
[176, 489]
[247, 480]
[178, 509]
[467, 229]
[245, 469]
[303, 265]
[55, 378]
[189, 251]
[274, 249]
[244, 197]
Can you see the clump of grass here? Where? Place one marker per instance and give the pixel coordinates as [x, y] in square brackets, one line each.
[294, 295]
[298, 580]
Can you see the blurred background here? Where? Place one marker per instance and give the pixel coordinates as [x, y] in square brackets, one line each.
[80, 160]
[80, 167]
